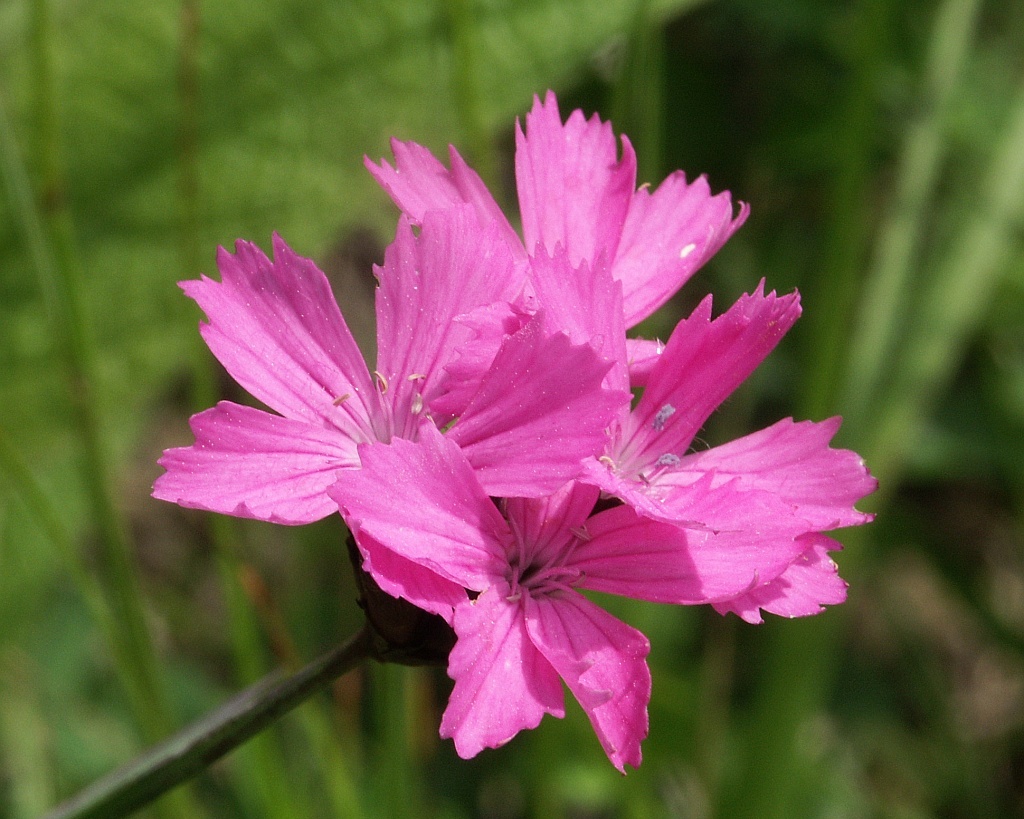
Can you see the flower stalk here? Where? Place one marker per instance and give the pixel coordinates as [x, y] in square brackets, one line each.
[195, 748]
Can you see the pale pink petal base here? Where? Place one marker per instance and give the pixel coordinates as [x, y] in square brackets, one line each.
[641, 356]
[452, 267]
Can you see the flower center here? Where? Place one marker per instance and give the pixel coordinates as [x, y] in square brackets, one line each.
[538, 575]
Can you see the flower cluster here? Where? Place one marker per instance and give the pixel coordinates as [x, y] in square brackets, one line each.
[494, 464]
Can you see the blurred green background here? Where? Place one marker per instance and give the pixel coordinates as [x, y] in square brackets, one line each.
[881, 146]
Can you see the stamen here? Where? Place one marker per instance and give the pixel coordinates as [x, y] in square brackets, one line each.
[341, 399]
[582, 533]
[553, 578]
[607, 461]
[668, 459]
[382, 382]
[415, 377]
[662, 416]
[417, 404]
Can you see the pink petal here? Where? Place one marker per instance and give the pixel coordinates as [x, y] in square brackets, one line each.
[794, 462]
[642, 355]
[400, 577]
[809, 584]
[539, 412]
[419, 183]
[703, 362]
[276, 327]
[669, 235]
[503, 684]
[585, 303]
[454, 266]
[547, 526]
[489, 325]
[634, 557]
[603, 661]
[573, 189]
[252, 464]
[422, 501]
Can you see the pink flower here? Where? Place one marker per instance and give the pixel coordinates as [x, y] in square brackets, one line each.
[798, 485]
[575, 192]
[523, 623]
[527, 414]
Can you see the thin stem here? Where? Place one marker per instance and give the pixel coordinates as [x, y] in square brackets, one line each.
[195, 748]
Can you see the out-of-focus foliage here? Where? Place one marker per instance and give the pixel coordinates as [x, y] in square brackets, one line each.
[878, 153]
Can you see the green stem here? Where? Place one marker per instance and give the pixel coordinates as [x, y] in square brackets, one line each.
[195, 748]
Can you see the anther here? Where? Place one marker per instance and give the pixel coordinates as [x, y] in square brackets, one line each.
[341, 399]
[662, 416]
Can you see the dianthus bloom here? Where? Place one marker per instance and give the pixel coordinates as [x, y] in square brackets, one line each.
[515, 568]
[492, 468]
[277, 329]
[576, 193]
[738, 526]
